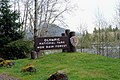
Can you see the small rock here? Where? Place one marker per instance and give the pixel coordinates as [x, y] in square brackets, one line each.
[58, 76]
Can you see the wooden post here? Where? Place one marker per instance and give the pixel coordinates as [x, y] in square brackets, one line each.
[119, 51]
[63, 50]
[72, 48]
[33, 55]
[67, 31]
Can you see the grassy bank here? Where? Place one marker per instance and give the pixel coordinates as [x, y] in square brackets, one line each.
[78, 66]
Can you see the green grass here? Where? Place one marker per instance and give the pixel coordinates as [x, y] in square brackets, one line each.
[78, 66]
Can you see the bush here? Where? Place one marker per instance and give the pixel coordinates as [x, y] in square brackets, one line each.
[29, 68]
[18, 49]
[6, 63]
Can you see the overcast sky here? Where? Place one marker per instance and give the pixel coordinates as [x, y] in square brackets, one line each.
[85, 12]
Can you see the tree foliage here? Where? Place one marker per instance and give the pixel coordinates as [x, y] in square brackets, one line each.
[107, 34]
[18, 49]
[99, 36]
[9, 24]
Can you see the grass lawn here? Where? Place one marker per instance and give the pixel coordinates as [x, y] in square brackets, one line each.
[78, 66]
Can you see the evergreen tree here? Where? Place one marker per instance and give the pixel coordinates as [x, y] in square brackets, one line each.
[116, 28]
[95, 30]
[110, 28]
[9, 24]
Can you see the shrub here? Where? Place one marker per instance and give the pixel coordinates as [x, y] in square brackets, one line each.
[18, 49]
[28, 68]
[6, 63]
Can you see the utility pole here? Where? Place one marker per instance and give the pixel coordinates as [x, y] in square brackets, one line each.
[34, 54]
[35, 22]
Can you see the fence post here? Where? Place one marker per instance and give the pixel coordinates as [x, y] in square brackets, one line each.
[119, 51]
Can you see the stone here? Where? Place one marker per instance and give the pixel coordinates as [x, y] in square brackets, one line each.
[58, 76]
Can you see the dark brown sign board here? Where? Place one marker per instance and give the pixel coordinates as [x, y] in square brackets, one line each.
[48, 43]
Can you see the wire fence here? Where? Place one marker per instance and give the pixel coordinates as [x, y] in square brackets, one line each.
[109, 50]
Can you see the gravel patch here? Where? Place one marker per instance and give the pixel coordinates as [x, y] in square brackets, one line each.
[7, 77]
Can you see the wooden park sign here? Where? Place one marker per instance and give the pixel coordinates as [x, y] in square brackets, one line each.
[67, 42]
[48, 43]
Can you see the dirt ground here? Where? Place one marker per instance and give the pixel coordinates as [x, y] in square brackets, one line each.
[7, 77]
